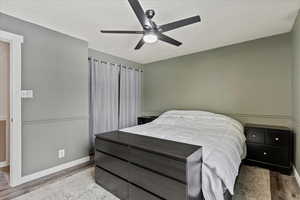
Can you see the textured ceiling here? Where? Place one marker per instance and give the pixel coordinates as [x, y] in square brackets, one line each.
[224, 22]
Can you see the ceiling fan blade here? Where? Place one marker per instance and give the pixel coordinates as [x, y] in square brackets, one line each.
[180, 23]
[125, 32]
[169, 40]
[140, 44]
[140, 13]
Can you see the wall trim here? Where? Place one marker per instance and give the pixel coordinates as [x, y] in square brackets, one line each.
[3, 164]
[55, 120]
[260, 116]
[288, 117]
[53, 170]
[296, 174]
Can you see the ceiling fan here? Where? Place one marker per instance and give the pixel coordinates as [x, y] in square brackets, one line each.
[151, 31]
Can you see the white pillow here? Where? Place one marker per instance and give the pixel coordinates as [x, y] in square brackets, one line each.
[186, 113]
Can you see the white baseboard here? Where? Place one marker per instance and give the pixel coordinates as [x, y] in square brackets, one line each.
[4, 164]
[296, 174]
[53, 170]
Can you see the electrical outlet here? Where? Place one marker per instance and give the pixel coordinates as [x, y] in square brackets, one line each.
[61, 153]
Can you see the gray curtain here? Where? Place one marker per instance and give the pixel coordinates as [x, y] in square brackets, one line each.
[104, 97]
[130, 96]
[115, 97]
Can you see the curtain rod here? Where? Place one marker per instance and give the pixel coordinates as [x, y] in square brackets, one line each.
[119, 65]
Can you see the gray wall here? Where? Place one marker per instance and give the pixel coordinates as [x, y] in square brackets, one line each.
[296, 89]
[112, 59]
[249, 81]
[54, 66]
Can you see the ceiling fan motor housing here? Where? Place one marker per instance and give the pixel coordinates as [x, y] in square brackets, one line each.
[150, 13]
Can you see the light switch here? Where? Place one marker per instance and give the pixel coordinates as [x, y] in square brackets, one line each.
[27, 93]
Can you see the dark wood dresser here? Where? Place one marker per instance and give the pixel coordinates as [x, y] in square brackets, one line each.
[135, 167]
[270, 147]
[146, 119]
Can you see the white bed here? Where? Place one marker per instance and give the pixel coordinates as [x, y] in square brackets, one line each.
[221, 137]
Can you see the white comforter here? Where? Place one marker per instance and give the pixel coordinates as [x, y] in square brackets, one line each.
[221, 137]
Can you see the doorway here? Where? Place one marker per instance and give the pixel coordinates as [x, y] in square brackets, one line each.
[13, 123]
[4, 112]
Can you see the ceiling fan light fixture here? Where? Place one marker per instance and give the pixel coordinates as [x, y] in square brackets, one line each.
[150, 38]
[151, 33]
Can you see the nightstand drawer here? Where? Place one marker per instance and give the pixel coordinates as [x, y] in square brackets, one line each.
[267, 154]
[277, 138]
[255, 135]
[270, 147]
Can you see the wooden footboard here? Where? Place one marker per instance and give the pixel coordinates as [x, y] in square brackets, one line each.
[135, 167]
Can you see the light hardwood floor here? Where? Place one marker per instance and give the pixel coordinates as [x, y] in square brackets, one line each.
[7, 192]
[284, 187]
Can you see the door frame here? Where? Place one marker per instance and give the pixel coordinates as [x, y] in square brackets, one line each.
[15, 121]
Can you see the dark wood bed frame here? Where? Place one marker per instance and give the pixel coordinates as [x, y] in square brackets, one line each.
[136, 167]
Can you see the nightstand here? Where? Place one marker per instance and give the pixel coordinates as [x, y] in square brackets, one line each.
[270, 147]
[146, 119]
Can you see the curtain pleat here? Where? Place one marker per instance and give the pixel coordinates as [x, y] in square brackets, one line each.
[104, 97]
[130, 96]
